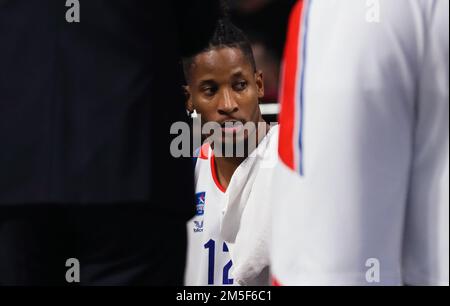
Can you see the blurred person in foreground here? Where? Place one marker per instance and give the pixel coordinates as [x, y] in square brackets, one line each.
[361, 192]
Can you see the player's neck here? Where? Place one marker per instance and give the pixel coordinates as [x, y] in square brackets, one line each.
[226, 166]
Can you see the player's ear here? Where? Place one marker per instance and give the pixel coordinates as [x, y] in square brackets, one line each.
[259, 78]
[189, 105]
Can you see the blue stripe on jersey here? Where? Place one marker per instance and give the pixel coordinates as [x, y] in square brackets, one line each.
[302, 83]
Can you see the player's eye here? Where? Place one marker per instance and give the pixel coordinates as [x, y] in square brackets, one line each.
[240, 86]
[209, 90]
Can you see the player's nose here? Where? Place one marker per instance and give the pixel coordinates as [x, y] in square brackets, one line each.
[227, 103]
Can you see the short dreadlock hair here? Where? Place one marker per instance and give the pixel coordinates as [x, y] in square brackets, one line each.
[226, 35]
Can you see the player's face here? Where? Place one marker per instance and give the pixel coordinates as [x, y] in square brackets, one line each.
[225, 88]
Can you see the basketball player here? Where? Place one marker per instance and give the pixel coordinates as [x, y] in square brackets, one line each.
[227, 242]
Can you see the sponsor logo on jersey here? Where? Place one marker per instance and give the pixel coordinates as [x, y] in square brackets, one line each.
[198, 226]
[200, 203]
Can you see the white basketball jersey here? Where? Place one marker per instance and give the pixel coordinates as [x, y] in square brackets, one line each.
[362, 191]
[208, 258]
[229, 236]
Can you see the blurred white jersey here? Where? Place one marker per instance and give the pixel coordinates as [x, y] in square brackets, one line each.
[362, 192]
[228, 237]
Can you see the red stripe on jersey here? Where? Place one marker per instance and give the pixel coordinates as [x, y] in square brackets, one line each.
[214, 174]
[275, 282]
[289, 83]
[204, 151]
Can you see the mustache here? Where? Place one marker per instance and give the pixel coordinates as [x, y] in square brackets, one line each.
[231, 122]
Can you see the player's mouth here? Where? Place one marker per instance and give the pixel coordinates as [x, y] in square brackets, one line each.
[232, 126]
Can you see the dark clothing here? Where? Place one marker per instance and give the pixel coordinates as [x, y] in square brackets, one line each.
[130, 245]
[85, 116]
[86, 108]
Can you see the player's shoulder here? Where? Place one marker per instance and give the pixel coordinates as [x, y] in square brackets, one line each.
[203, 152]
[269, 151]
[272, 138]
[201, 156]
[273, 132]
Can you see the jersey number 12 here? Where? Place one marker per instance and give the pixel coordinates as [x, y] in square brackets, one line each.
[211, 247]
